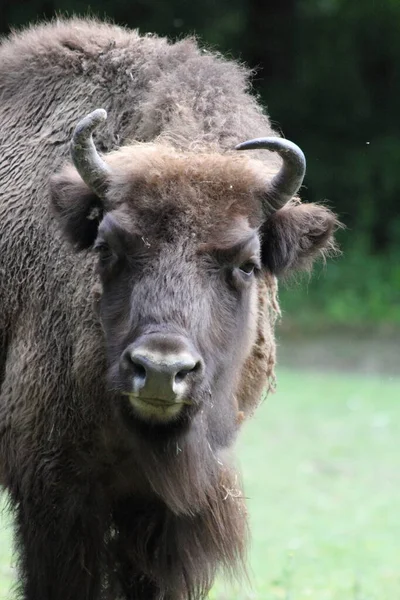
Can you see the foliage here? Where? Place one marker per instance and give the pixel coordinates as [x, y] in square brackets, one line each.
[358, 289]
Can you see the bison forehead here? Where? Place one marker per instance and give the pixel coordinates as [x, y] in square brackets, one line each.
[200, 191]
[150, 229]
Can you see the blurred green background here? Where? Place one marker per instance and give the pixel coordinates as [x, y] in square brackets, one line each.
[321, 458]
[328, 72]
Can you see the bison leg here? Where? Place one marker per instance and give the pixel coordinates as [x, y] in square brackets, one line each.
[59, 540]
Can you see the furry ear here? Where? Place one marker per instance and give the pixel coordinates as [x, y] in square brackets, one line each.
[294, 236]
[77, 209]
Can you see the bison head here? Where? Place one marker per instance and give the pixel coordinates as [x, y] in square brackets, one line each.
[188, 245]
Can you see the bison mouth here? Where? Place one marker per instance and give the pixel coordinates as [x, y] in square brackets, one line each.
[156, 409]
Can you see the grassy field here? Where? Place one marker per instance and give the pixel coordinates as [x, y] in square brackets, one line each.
[321, 464]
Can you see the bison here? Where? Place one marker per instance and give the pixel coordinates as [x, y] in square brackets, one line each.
[138, 299]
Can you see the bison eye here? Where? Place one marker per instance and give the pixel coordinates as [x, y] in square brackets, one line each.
[104, 251]
[248, 267]
[243, 275]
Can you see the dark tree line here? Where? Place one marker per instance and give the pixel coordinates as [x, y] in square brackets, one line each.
[328, 70]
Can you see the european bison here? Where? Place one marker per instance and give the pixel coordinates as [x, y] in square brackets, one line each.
[136, 325]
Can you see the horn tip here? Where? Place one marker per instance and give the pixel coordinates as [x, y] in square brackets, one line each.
[89, 123]
[97, 116]
[268, 143]
[100, 114]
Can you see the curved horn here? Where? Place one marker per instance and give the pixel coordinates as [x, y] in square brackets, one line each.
[287, 182]
[90, 166]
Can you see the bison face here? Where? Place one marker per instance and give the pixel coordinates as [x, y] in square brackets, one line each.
[179, 259]
[184, 247]
[178, 310]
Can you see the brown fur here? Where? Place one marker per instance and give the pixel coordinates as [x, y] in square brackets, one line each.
[104, 504]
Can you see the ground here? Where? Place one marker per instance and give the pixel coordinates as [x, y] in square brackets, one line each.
[321, 466]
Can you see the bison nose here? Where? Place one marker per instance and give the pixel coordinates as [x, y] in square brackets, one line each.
[159, 367]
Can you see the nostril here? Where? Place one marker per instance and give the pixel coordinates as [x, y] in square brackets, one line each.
[139, 371]
[183, 373]
[134, 368]
[180, 376]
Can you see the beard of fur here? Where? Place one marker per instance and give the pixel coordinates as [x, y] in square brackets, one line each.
[197, 523]
[181, 554]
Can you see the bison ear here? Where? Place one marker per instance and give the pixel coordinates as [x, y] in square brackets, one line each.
[294, 236]
[77, 209]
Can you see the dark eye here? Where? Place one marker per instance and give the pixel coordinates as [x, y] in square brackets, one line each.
[104, 251]
[243, 275]
[247, 267]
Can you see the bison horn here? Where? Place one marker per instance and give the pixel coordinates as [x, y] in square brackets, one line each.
[287, 182]
[90, 166]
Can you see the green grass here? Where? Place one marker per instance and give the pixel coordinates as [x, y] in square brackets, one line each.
[321, 464]
[5, 555]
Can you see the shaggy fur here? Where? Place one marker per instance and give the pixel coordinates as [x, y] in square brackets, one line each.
[105, 505]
